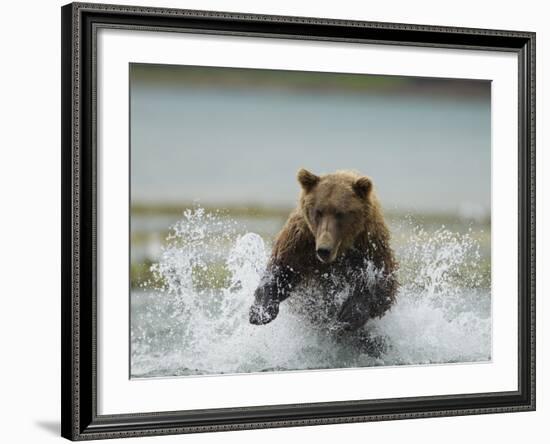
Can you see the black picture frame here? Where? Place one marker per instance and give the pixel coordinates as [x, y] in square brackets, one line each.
[80, 420]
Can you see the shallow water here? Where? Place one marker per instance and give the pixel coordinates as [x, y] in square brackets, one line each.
[196, 321]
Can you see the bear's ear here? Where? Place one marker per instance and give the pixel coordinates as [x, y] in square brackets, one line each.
[362, 187]
[307, 180]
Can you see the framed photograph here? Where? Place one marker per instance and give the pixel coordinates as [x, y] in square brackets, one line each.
[281, 221]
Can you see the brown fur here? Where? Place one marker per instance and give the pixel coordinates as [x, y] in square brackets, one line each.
[337, 228]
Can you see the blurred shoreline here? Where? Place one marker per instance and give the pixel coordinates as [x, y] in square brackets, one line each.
[151, 225]
[256, 210]
[305, 82]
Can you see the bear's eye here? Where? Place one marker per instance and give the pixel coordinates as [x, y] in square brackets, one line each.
[339, 215]
[318, 214]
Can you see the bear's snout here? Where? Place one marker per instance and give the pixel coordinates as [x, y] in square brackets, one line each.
[326, 249]
[324, 253]
[326, 239]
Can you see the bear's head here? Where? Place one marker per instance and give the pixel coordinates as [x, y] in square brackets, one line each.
[337, 208]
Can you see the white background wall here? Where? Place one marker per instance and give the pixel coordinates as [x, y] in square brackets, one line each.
[30, 222]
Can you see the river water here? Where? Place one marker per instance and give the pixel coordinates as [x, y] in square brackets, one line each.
[233, 147]
[196, 321]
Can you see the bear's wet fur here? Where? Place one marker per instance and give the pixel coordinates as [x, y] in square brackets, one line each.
[336, 239]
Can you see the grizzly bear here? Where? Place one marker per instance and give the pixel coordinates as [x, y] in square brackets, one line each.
[337, 238]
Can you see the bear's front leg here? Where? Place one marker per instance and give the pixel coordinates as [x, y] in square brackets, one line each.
[274, 288]
[368, 301]
[354, 312]
[265, 307]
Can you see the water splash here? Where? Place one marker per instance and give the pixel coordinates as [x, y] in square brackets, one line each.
[194, 318]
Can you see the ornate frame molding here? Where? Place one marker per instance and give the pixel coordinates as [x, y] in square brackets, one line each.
[80, 22]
